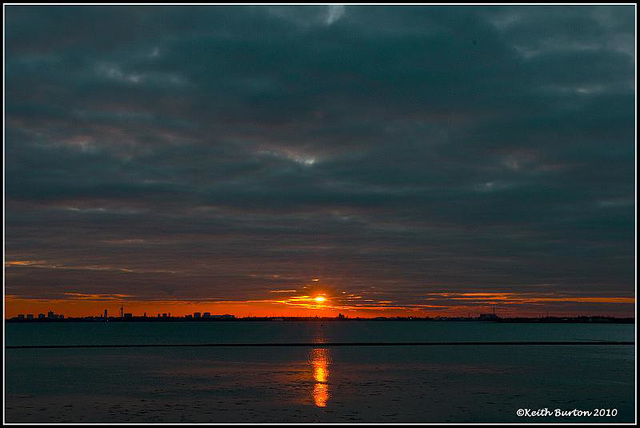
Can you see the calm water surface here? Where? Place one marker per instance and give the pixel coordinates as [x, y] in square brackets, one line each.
[100, 333]
[317, 384]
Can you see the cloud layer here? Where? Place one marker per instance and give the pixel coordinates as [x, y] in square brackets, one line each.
[220, 153]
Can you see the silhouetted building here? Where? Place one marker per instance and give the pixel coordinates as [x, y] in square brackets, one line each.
[40, 316]
[128, 316]
[488, 317]
[29, 316]
[105, 314]
[206, 315]
[197, 314]
[21, 317]
[223, 317]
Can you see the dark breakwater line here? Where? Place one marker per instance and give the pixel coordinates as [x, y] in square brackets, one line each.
[327, 345]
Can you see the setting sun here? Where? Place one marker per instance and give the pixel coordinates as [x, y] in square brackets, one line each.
[320, 299]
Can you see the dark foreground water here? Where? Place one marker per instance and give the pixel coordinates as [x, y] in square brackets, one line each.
[316, 384]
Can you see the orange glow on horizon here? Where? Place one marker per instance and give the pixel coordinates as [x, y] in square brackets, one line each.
[75, 304]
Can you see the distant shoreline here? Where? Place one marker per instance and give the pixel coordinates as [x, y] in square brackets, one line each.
[580, 320]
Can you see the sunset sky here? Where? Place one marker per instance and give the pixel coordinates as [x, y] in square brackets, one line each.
[409, 160]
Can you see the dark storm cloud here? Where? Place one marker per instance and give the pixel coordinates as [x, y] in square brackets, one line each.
[192, 152]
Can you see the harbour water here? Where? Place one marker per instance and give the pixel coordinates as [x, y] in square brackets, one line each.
[442, 383]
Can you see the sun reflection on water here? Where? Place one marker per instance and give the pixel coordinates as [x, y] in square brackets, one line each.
[320, 360]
